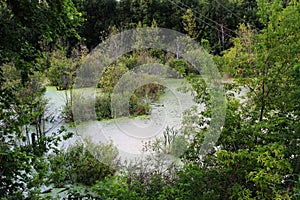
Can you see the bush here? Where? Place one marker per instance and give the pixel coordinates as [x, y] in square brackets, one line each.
[116, 188]
[111, 76]
[150, 91]
[138, 106]
[67, 113]
[103, 107]
[182, 67]
[62, 70]
[139, 102]
[83, 164]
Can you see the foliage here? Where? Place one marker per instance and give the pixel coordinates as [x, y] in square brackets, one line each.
[111, 76]
[27, 29]
[265, 123]
[99, 16]
[138, 180]
[257, 154]
[215, 21]
[239, 60]
[24, 138]
[115, 188]
[182, 67]
[83, 163]
[29, 26]
[62, 70]
[189, 24]
[271, 74]
[138, 106]
[138, 102]
[259, 170]
[103, 107]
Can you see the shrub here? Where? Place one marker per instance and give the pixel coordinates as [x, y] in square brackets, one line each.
[182, 67]
[103, 107]
[137, 108]
[67, 113]
[150, 91]
[83, 164]
[111, 76]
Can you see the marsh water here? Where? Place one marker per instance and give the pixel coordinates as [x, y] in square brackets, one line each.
[129, 133]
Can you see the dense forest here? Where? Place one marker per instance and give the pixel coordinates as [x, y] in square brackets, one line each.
[256, 48]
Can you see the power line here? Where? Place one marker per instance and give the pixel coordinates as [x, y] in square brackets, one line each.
[211, 20]
[183, 9]
[229, 11]
[223, 33]
[247, 23]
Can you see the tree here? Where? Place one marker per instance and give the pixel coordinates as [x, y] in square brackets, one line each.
[27, 29]
[189, 24]
[111, 76]
[61, 71]
[239, 60]
[270, 63]
[99, 15]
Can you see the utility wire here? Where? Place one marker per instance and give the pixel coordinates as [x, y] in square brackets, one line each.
[184, 9]
[211, 20]
[223, 33]
[246, 23]
[218, 2]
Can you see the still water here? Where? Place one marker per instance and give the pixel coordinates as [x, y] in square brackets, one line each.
[129, 134]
